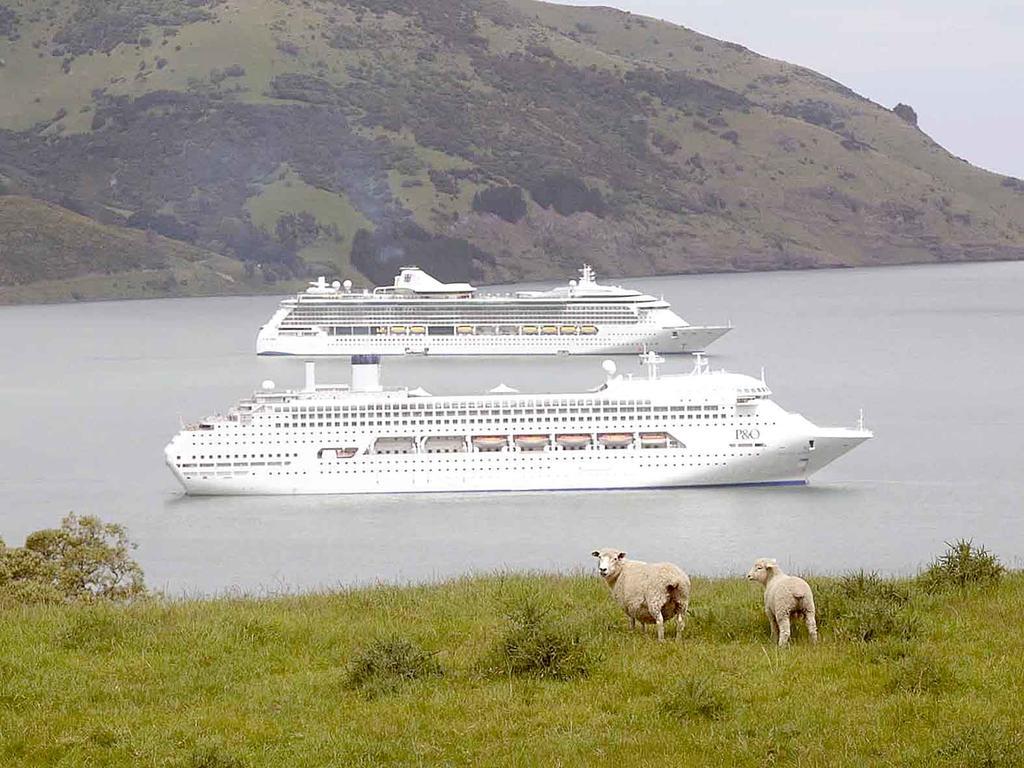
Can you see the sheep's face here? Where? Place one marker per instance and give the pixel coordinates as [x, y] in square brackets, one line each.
[609, 561]
[762, 570]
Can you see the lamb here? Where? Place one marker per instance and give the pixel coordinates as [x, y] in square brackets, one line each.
[785, 597]
[648, 592]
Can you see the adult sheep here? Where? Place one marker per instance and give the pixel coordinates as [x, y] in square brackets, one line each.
[650, 593]
[785, 597]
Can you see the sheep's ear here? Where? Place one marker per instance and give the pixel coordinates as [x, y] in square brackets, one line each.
[595, 553]
[620, 555]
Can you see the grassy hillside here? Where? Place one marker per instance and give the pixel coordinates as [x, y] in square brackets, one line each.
[48, 253]
[488, 139]
[516, 670]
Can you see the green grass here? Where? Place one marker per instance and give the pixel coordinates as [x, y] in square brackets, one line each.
[417, 676]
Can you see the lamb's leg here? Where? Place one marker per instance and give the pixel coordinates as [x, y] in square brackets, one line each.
[660, 621]
[812, 625]
[773, 624]
[783, 620]
[681, 620]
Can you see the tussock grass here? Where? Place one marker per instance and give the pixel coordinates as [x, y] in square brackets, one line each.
[515, 670]
[962, 566]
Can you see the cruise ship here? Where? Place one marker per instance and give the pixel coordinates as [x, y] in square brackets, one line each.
[421, 315]
[644, 431]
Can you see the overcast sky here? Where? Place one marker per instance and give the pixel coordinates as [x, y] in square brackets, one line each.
[959, 63]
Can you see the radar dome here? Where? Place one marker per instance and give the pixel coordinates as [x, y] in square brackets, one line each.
[335, 285]
[267, 384]
[347, 285]
[572, 283]
[609, 367]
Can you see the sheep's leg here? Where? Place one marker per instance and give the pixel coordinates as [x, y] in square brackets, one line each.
[681, 621]
[660, 621]
[783, 621]
[774, 625]
[632, 624]
[812, 625]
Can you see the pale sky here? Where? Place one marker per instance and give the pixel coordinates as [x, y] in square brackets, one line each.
[959, 63]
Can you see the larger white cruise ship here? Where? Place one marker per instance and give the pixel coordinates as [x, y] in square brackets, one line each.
[702, 428]
[421, 315]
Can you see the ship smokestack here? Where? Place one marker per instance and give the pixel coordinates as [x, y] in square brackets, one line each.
[310, 376]
[366, 373]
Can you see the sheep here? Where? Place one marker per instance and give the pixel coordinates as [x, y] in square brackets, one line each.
[785, 597]
[648, 592]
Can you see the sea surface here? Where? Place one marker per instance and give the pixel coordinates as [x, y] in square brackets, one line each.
[91, 393]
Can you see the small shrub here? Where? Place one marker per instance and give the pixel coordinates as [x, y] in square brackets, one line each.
[535, 645]
[988, 745]
[864, 607]
[914, 670]
[962, 565]
[697, 697]
[387, 663]
[505, 202]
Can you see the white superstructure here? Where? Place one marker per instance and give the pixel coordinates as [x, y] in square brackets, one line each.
[702, 428]
[421, 315]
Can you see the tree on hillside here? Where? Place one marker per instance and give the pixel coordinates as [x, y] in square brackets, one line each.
[84, 559]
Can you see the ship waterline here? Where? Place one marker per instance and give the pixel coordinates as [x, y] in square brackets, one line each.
[421, 315]
[701, 429]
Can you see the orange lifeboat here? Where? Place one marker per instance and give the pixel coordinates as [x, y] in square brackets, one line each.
[615, 440]
[573, 442]
[490, 442]
[653, 439]
[532, 442]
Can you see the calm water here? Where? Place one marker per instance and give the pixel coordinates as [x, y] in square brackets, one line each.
[89, 395]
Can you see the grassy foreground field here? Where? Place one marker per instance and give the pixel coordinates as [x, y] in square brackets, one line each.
[516, 670]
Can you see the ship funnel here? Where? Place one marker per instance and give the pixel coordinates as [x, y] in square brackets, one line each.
[310, 376]
[366, 373]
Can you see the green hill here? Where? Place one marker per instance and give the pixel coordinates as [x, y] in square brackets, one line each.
[483, 139]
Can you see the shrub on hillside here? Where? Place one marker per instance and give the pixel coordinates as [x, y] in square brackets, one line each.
[535, 644]
[962, 565]
[567, 194]
[506, 202]
[386, 663]
[864, 607]
[83, 560]
[696, 697]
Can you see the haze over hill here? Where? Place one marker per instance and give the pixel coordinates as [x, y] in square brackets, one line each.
[488, 140]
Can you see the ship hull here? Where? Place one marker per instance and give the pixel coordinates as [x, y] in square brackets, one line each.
[789, 463]
[682, 339]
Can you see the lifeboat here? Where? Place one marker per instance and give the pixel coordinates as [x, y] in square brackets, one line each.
[336, 453]
[464, 329]
[532, 442]
[549, 329]
[417, 329]
[394, 445]
[573, 442]
[653, 439]
[490, 442]
[445, 444]
[588, 330]
[615, 440]
[568, 330]
[529, 330]
[398, 329]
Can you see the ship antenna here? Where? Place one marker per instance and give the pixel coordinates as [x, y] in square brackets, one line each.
[860, 421]
[762, 376]
[700, 363]
[652, 360]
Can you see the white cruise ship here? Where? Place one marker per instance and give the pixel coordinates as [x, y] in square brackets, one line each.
[702, 428]
[421, 315]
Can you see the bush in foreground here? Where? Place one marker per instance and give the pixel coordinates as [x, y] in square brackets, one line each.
[386, 663]
[962, 565]
[536, 645]
[83, 560]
